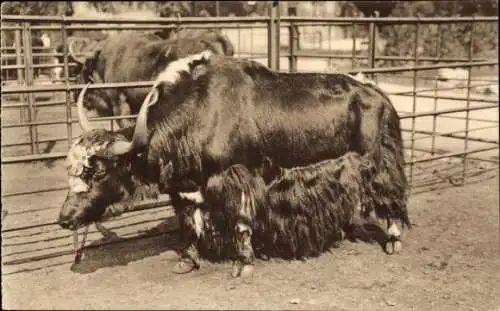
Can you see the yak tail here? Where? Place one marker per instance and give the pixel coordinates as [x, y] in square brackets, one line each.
[391, 181]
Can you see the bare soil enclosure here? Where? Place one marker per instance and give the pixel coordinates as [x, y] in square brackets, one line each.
[450, 261]
[450, 258]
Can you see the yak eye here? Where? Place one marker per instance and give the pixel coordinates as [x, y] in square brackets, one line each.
[99, 172]
[99, 169]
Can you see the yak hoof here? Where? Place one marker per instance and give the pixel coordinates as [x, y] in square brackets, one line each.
[243, 271]
[236, 270]
[246, 271]
[183, 267]
[393, 246]
[79, 257]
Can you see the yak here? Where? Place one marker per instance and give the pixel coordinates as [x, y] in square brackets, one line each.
[207, 113]
[131, 57]
[292, 213]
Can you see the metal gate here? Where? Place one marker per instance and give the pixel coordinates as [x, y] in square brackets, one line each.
[38, 120]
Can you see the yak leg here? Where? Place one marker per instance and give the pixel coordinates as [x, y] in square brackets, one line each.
[393, 244]
[191, 228]
[245, 256]
[106, 233]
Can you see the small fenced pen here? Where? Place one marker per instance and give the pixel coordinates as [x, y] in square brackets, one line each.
[456, 122]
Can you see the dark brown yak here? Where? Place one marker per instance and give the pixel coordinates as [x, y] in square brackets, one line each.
[136, 56]
[207, 113]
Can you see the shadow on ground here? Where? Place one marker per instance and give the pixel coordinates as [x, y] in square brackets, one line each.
[122, 251]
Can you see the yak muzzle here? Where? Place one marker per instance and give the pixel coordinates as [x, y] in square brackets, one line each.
[72, 211]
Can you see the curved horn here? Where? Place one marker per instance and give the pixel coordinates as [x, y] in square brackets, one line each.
[140, 137]
[82, 114]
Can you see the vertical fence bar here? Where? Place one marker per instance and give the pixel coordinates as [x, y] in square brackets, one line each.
[217, 8]
[239, 39]
[329, 47]
[371, 48]
[354, 30]
[252, 34]
[29, 76]
[436, 85]
[273, 36]
[69, 123]
[277, 43]
[434, 116]
[414, 108]
[467, 103]
[193, 8]
[438, 42]
[292, 67]
[294, 40]
[20, 72]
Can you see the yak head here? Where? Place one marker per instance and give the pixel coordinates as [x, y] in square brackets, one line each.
[100, 172]
[90, 65]
[104, 166]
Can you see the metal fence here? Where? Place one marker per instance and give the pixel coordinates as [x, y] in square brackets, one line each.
[35, 139]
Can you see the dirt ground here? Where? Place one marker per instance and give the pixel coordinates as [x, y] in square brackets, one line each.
[450, 261]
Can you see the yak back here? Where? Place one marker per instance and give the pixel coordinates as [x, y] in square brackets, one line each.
[239, 110]
[132, 56]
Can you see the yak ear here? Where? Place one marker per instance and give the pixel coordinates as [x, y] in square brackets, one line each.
[198, 64]
[198, 71]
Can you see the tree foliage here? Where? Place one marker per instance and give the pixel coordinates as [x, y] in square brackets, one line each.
[454, 37]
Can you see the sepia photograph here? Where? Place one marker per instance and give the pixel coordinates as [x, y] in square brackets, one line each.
[250, 155]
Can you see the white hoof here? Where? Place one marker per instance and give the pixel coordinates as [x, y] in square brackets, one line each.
[393, 247]
[236, 270]
[246, 271]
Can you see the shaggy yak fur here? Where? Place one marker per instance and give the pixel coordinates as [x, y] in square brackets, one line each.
[290, 213]
[210, 113]
[132, 57]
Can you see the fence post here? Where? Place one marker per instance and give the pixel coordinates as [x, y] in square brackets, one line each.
[28, 69]
[354, 31]
[69, 117]
[436, 86]
[371, 47]
[467, 103]
[292, 43]
[20, 72]
[273, 36]
[193, 8]
[434, 117]
[414, 107]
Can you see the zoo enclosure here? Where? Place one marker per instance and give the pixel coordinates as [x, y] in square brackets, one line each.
[26, 90]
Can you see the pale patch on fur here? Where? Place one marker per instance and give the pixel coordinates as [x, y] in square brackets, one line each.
[77, 185]
[195, 197]
[198, 222]
[78, 156]
[172, 73]
[247, 206]
[241, 227]
[362, 78]
[393, 230]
